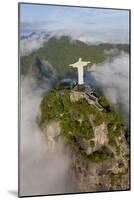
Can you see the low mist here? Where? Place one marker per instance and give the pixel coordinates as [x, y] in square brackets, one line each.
[112, 77]
[42, 171]
[36, 40]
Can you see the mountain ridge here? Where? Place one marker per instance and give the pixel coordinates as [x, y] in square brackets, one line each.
[60, 52]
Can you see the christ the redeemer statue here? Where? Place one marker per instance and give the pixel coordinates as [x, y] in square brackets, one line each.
[80, 65]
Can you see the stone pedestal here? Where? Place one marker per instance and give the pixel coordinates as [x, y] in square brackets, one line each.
[81, 87]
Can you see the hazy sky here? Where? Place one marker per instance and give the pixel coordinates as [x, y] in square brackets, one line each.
[88, 20]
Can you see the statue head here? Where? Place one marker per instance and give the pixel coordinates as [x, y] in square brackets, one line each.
[80, 59]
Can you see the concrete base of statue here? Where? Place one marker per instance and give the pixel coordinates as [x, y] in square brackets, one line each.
[79, 87]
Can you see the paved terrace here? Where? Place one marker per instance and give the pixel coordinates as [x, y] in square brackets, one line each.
[91, 99]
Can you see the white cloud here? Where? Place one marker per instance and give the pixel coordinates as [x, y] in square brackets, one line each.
[112, 77]
[37, 40]
[41, 171]
[32, 42]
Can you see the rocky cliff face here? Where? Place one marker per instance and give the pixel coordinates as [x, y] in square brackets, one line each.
[96, 139]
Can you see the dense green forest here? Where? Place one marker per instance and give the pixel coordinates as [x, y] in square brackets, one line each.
[60, 52]
[57, 106]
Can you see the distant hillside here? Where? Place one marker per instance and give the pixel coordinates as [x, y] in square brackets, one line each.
[61, 52]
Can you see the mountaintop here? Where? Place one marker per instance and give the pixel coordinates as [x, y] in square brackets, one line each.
[95, 137]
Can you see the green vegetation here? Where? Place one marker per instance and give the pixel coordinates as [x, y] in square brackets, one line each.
[115, 127]
[61, 52]
[74, 121]
[51, 107]
[92, 143]
[57, 105]
[104, 102]
[114, 122]
[116, 177]
[62, 85]
[100, 155]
